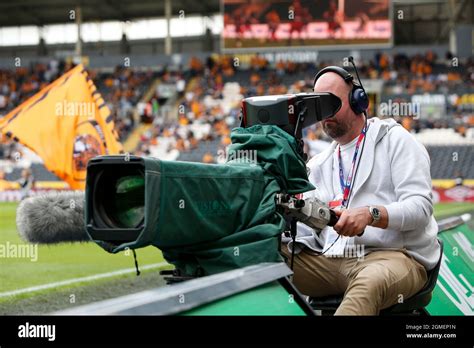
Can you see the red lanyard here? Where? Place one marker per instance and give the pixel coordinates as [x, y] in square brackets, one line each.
[346, 186]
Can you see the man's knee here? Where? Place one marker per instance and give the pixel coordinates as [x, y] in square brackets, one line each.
[367, 290]
[381, 284]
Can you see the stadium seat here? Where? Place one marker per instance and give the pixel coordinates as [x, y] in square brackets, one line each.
[414, 305]
[442, 136]
[39, 171]
[197, 154]
[444, 165]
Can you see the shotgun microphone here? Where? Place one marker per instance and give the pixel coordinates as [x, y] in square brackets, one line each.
[52, 218]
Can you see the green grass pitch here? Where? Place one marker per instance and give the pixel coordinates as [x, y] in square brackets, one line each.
[59, 262]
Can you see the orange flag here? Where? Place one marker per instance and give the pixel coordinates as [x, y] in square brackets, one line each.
[66, 124]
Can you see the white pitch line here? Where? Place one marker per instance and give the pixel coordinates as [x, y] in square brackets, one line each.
[80, 280]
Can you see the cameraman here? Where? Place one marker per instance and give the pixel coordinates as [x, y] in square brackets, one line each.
[376, 176]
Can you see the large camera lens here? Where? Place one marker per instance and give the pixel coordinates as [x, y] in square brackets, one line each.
[128, 199]
[120, 198]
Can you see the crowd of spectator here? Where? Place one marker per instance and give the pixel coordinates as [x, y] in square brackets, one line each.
[208, 94]
[204, 102]
[121, 89]
[203, 111]
[17, 85]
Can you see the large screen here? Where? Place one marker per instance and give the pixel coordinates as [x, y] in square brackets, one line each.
[257, 24]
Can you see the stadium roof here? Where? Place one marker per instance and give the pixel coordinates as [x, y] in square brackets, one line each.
[41, 12]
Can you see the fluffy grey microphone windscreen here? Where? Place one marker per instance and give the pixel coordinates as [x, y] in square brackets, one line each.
[52, 218]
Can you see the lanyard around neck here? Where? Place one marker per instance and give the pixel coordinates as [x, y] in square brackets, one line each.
[347, 186]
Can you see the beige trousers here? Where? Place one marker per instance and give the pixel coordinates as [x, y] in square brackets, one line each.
[376, 281]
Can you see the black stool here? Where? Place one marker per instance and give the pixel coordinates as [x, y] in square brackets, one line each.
[414, 305]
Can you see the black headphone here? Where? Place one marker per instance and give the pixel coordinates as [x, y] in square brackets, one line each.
[358, 99]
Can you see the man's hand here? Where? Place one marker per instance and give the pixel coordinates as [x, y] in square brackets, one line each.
[352, 222]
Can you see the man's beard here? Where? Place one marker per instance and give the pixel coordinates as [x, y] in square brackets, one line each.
[335, 129]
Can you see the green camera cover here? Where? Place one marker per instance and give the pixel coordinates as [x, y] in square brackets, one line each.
[210, 218]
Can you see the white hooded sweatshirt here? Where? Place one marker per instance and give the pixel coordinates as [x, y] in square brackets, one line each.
[394, 171]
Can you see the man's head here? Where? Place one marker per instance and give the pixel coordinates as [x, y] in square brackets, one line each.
[345, 122]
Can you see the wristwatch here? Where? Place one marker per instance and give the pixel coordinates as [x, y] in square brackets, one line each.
[375, 213]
